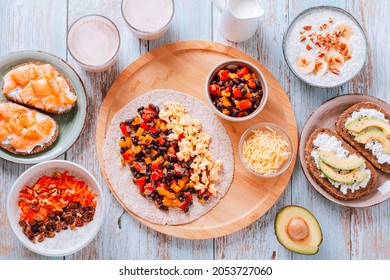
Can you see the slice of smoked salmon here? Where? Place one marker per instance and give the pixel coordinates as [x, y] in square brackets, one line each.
[4, 131]
[27, 94]
[9, 85]
[42, 88]
[23, 75]
[50, 102]
[46, 71]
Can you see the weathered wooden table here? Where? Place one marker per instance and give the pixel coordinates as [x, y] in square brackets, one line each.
[348, 233]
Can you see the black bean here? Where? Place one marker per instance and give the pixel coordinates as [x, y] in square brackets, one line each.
[213, 82]
[242, 80]
[152, 106]
[162, 150]
[235, 112]
[257, 82]
[244, 91]
[236, 81]
[148, 151]
[219, 106]
[174, 143]
[157, 109]
[221, 83]
[123, 138]
[129, 121]
[140, 109]
[231, 83]
[232, 68]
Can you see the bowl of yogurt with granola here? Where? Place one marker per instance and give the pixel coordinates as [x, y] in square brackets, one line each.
[325, 46]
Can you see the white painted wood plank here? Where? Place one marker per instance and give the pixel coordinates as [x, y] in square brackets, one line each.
[370, 227]
[26, 25]
[258, 241]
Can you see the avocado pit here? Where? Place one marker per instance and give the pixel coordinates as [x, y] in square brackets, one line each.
[297, 229]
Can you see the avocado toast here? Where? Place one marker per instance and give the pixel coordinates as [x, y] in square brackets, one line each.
[366, 127]
[337, 167]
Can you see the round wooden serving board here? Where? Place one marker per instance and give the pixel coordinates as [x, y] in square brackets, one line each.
[184, 66]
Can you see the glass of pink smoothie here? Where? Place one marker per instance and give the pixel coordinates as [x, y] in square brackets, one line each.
[94, 41]
[148, 19]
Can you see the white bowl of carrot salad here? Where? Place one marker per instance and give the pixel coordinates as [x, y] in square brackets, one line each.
[55, 208]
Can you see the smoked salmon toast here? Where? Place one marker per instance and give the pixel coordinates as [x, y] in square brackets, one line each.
[24, 130]
[39, 86]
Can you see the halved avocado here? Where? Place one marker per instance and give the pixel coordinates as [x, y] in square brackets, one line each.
[373, 133]
[355, 176]
[362, 123]
[298, 230]
[332, 160]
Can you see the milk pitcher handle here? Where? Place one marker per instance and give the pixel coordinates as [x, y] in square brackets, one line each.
[219, 4]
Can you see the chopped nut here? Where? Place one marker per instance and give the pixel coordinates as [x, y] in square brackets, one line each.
[330, 20]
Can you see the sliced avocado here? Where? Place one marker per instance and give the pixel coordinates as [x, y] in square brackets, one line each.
[298, 230]
[355, 176]
[332, 160]
[373, 133]
[362, 123]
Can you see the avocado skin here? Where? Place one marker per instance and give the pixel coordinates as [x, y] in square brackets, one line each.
[311, 216]
[332, 160]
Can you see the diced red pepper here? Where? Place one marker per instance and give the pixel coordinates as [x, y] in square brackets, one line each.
[162, 185]
[127, 156]
[161, 140]
[172, 181]
[242, 72]
[251, 83]
[183, 205]
[178, 169]
[228, 88]
[181, 135]
[241, 114]
[237, 93]
[140, 182]
[215, 89]
[155, 167]
[148, 189]
[149, 111]
[152, 129]
[137, 166]
[147, 117]
[157, 175]
[224, 75]
[144, 126]
[245, 104]
[123, 128]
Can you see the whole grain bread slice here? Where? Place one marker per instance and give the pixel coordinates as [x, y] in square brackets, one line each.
[13, 99]
[315, 172]
[343, 132]
[37, 148]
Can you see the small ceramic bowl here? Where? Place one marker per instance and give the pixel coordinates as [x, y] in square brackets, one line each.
[67, 241]
[280, 132]
[253, 69]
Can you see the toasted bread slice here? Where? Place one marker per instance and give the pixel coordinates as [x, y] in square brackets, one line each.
[21, 123]
[343, 132]
[324, 182]
[55, 110]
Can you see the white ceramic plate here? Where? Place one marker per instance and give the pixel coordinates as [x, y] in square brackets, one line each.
[71, 124]
[326, 116]
[65, 242]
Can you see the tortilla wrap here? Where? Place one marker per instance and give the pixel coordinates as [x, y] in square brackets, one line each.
[121, 179]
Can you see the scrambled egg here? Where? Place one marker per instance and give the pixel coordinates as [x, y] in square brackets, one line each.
[193, 144]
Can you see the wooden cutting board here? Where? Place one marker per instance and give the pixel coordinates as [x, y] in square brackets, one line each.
[184, 66]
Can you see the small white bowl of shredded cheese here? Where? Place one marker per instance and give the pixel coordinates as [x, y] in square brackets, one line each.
[265, 150]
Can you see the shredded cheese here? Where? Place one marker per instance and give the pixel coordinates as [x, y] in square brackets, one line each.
[265, 152]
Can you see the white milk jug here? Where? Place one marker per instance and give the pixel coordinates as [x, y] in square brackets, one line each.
[239, 19]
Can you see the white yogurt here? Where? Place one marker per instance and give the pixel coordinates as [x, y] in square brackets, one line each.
[148, 19]
[375, 147]
[331, 143]
[294, 48]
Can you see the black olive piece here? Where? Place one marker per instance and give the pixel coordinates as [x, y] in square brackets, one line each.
[140, 109]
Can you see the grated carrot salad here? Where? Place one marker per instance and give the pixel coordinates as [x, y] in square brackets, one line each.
[52, 193]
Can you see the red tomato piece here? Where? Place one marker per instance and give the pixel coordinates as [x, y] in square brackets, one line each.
[223, 75]
[242, 72]
[215, 89]
[251, 83]
[245, 104]
[123, 128]
[237, 93]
